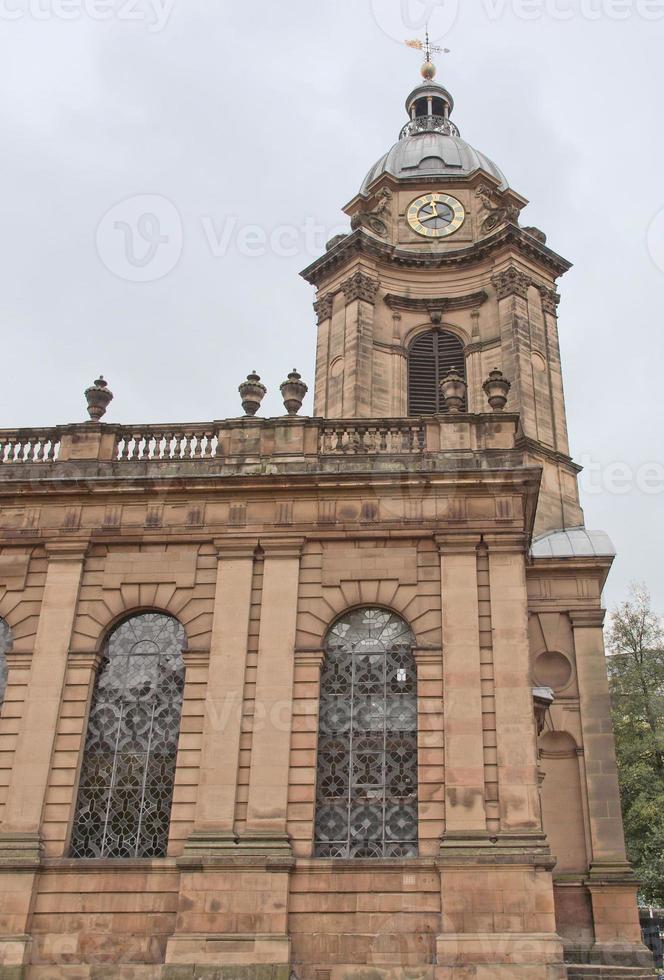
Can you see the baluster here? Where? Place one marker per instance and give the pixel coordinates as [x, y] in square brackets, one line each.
[383, 439]
[209, 448]
[189, 445]
[136, 452]
[340, 440]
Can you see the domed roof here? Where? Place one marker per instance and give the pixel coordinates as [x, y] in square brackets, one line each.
[432, 154]
[430, 145]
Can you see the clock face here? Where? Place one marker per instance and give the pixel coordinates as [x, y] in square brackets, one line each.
[436, 215]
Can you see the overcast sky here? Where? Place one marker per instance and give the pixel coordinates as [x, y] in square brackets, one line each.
[246, 127]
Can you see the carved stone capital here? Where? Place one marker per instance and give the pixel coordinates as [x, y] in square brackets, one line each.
[550, 300]
[74, 550]
[360, 287]
[587, 618]
[324, 307]
[235, 547]
[282, 548]
[511, 282]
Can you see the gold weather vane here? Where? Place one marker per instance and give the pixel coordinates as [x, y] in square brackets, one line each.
[429, 49]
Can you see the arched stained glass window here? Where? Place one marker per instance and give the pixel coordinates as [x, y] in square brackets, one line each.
[431, 357]
[5, 644]
[126, 786]
[366, 802]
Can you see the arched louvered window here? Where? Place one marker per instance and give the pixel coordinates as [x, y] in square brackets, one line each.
[431, 357]
[5, 645]
[126, 786]
[366, 802]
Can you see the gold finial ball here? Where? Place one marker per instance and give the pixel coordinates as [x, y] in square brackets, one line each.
[428, 71]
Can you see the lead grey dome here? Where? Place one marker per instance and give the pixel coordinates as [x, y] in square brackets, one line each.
[430, 144]
[432, 154]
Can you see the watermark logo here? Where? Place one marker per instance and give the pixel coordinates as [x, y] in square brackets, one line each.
[400, 19]
[154, 13]
[655, 240]
[141, 239]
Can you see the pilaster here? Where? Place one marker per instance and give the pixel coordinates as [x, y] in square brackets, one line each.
[270, 751]
[20, 834]
[360, 291]
[217, 787]
[462, 686]
[518, 782]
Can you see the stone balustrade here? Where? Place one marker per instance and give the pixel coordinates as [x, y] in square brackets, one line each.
[253, 445]
[29, 445]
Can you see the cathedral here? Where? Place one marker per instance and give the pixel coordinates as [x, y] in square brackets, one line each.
[325, 698]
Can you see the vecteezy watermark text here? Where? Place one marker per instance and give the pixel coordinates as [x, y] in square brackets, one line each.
[141, 239]
[154, 13]
[398, 18]
[571, 9]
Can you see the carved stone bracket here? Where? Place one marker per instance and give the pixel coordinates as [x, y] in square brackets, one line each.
[436, 306]
[373, 218]
[324, 307]
[511, 282]
[360, 286]
[550, 300]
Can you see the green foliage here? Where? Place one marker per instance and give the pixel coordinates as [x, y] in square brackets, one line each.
[636, 675]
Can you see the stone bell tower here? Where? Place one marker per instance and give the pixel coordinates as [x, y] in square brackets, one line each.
[438, 273]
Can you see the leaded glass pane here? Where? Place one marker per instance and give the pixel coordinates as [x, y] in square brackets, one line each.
[126, 786]
[5, 644]
[366, 802]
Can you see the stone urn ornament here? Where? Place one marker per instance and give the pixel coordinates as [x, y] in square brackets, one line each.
[454, 388]
[497, 388]
[293, 392]
[252, 392]
[99, 396]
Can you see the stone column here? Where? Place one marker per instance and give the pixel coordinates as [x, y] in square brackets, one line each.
[612, 884]
[462, 688]
[20, 833]
[271, 741]
[217, 787]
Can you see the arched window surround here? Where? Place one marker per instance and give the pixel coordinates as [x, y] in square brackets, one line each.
[128, 765]
[427, 368]
[367, 763]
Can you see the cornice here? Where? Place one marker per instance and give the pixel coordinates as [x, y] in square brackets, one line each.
[359, 243]
[433, 305]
